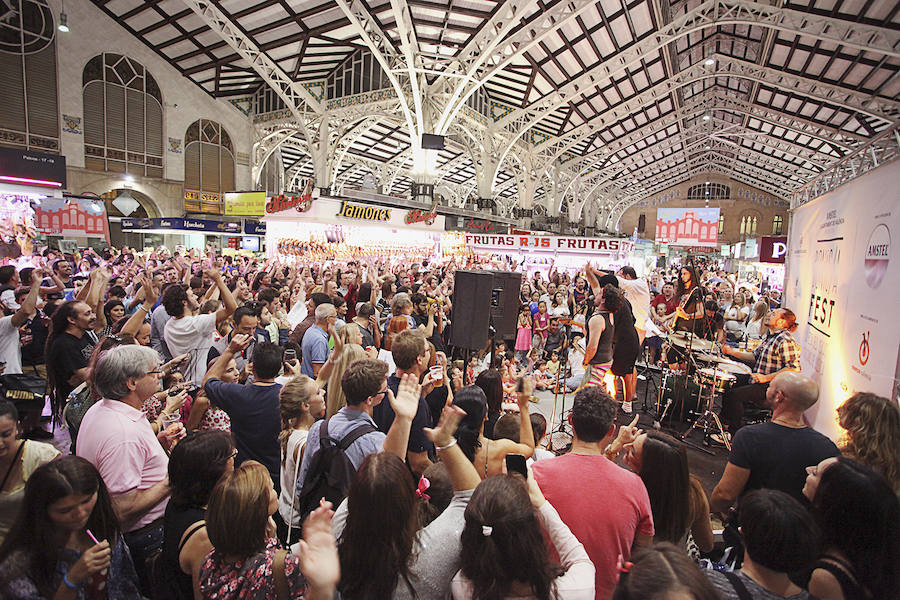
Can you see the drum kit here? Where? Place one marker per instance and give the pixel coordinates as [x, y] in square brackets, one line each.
[692, 393]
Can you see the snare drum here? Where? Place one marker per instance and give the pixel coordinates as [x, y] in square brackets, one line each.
[721, 381]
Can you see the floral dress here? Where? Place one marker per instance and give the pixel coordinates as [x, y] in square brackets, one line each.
[250, 579]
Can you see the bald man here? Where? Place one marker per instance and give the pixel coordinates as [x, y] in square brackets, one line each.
[775, 454]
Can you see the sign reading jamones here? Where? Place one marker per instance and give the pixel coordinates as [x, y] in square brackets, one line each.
[549, 243]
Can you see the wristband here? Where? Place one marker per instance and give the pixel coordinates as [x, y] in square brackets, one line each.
[141, 307]
[452, 443]
[69, 584]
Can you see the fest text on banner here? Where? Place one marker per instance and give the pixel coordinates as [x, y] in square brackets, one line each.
[842, 281]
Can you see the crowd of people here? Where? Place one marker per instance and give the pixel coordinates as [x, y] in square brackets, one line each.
[242, 428]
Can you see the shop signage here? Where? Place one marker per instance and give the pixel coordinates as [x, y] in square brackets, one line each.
[350, 210]
[772, 249]
[282, 202]
[255, 228]
[470, 225]
[180, 224]
[420, 216]
[201, 196]
[245, 203]
[24, 167]
[550, 243]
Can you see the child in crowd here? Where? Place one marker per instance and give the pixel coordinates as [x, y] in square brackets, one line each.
[542, 379]
[523, 334]
[553, 363]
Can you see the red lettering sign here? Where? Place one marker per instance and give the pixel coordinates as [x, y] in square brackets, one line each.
[418, 216]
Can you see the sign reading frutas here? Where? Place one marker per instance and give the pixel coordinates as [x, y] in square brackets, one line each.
[366, 213]
[549, 243]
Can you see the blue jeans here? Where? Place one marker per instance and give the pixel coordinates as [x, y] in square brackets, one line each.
[143, 543]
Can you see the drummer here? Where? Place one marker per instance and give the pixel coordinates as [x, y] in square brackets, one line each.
[779, 352]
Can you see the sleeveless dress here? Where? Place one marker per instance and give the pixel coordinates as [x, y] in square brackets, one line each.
[523, 338]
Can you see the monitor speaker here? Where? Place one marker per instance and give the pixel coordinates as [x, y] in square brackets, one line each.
[471, 297]
[505, 302]
[480, 297]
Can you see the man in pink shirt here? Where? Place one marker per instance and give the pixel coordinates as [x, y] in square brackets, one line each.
[605, 506]
[116, 437]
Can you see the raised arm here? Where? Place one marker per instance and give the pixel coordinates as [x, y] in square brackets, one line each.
[238, 343]
[27, 308]
[133, 325]
[405, 405]
[462, 472]
[228, 301]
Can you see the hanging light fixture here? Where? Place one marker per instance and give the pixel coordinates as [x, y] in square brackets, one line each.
[63, 20]
[125, 203]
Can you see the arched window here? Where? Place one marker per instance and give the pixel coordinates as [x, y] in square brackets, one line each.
[123, 117]
[721, 224]
[642, 223]
[28, 62]
[748, 224]
[208, 166]
[777, 224]
[709, 191]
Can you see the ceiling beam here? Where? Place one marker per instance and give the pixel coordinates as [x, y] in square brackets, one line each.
[294, 95]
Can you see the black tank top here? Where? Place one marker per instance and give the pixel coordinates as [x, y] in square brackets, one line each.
[176, 521]
[604, 346]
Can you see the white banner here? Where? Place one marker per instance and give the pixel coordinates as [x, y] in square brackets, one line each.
[843, 281]
[549, 243]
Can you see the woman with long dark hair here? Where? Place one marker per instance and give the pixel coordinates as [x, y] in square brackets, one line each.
[491, 383]
[689, 313]
[663, 571]
[678, 502]
[195, 467]
[486, 454]
[384, 551]
[53, 550]
[504, 553]
[859, 515]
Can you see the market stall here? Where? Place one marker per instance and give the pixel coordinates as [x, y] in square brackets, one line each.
[326, 228]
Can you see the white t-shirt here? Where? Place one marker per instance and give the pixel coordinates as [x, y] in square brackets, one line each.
[192, 336]
[8, 298]
[289, 471]
[637, 292]
[10, 348]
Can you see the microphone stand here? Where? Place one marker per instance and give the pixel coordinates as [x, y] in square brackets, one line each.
[563, 368]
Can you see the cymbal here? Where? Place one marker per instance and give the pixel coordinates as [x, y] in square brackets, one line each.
[711, 358]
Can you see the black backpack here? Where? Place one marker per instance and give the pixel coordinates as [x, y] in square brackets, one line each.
[330, 470]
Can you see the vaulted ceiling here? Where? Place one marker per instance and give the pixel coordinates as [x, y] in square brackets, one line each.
[618, 98]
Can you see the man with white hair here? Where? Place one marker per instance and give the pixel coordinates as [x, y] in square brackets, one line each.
[116, 437]
[315, 341]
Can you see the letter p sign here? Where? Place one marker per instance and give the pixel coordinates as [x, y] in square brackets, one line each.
[773, 249]
[779, 249]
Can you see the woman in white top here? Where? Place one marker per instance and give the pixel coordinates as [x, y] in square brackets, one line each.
[300, 398]
[18, 460]
[736, 315]
[559, 307]
[505, 521]
[756, 325]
